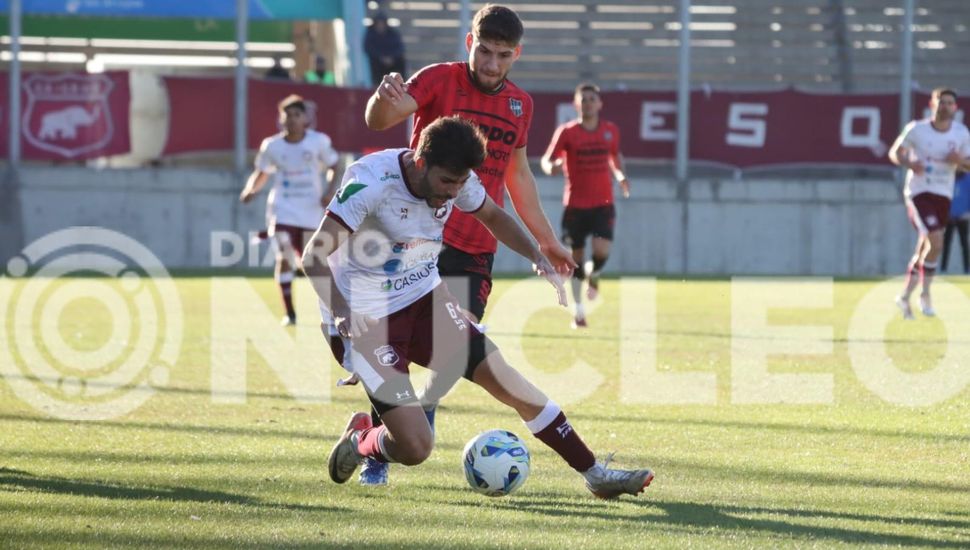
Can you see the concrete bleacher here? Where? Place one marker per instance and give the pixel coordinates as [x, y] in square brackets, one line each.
[826, 45]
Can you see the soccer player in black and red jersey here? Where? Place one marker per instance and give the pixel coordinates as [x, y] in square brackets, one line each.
[480, 91]
[587, 150]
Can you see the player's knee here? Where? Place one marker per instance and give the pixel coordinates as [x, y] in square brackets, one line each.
[579, 272]
[599, 262]
[415, 450]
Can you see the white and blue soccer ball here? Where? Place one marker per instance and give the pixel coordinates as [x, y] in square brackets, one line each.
[496, 463]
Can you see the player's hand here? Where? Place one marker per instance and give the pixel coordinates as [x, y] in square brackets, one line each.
[560, 257]
[544, 269]
[246, 195]
[917, 167]
[391, 88]
[352, 325]
[625, 188]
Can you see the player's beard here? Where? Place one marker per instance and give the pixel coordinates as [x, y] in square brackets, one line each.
[424, 186]
[477, 77]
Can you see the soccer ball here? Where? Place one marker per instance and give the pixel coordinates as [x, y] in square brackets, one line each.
[496, 463]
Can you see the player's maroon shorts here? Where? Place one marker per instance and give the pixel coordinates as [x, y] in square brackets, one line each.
[296, 235]
[431, 332]
[580, 223]
[928, 212]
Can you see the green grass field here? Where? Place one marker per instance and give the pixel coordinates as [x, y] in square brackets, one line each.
[187, 470]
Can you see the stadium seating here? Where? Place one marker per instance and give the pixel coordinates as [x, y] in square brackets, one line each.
[826, 45]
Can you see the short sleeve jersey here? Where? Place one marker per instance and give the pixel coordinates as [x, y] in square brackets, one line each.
[446, 89]
[390, 259]
[589, 179]
[931, 147]
[297, 176]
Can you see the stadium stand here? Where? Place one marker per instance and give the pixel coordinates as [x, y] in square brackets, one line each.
[825, 45]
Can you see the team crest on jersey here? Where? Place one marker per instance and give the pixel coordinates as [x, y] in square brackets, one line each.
[608, 135]
[441, 212]
[516, 106]
[386, 356]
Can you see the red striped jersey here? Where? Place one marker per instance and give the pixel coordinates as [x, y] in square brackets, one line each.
[447, 89]
[589, 179]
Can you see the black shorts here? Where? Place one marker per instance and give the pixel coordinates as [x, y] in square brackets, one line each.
[475, 270]
[580, 223]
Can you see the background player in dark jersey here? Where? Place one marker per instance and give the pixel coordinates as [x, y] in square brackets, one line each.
[587, 150]
[480, 91]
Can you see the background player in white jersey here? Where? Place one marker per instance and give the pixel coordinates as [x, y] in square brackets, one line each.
[932, 150]
[379, 244]
[296, 159]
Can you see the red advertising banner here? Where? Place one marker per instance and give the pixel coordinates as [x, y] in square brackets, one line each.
[69, 116]
[201, 115]
[740, 129]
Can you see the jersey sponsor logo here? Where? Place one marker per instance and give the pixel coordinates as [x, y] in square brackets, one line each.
[389, 176]
[387, 357]
[348, 191]
[411, 278]
[494, 133]
[516, 106]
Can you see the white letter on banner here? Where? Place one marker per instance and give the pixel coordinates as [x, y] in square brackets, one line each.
[754, 130]
[869, 139]
[653, 126]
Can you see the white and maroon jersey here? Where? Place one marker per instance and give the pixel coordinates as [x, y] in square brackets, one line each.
[390, 260]
[297, 175]
[931, 146]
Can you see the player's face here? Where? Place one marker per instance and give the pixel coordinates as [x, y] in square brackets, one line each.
[440, 186]
[294, 120]
[490, 61]
[588, 103]
[944, 107]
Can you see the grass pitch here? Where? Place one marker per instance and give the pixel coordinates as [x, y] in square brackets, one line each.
[198, 466]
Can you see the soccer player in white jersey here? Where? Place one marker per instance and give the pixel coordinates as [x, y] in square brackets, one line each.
[931, 150]
[373, 263]
[295, 159]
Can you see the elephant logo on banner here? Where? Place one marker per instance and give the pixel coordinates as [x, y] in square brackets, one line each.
[68, 114]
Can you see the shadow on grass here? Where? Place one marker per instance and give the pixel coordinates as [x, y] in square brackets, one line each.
[12, 479]
[693, 516]
[699, 515]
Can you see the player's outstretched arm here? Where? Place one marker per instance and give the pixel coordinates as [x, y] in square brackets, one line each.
[328, 238]
[254, 184]
[521, 184]
[505, 229]
[617, 166]
[390, 103]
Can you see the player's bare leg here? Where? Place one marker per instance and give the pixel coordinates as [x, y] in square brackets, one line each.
[576, 286]
[284, 273]
[594, 268]
[548, 423]
[404, 437]
[928, 271]
[913, 276]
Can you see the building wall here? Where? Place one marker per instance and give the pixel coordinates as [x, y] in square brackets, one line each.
[705, 227]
